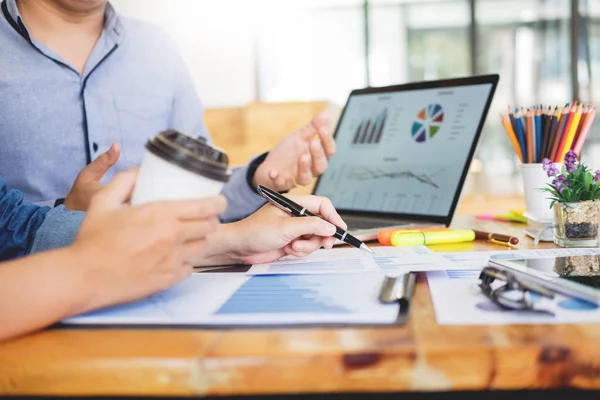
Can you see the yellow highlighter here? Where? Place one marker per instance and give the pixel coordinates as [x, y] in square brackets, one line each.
[403, 239]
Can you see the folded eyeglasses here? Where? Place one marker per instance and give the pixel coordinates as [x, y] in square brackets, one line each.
[515, 293]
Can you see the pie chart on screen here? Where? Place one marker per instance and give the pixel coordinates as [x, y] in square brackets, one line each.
[428, 123]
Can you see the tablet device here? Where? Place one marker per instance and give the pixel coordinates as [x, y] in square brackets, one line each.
[575, 276]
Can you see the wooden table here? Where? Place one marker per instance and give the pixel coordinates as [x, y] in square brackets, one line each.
[421, 356]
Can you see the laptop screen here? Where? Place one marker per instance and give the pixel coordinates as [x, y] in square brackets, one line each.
[406, 151]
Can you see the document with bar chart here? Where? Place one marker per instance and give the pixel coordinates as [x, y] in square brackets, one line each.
[403, 152]
[387, 259]
[236, 299]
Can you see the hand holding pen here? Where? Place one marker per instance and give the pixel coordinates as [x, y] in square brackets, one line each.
[297, 210]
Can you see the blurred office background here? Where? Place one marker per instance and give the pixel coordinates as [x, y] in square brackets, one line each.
[285, 59]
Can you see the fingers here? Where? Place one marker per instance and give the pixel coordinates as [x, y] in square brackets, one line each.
[321, 206]
[185, 270]
[307, 246]
[293, 228]
[280, 181]
[303, 248]
[305, 175]
[327, 141]
[95, 170]
[116, 193]
[192, 248]
[289, 250]
[319, 159]
[198, 229]
[328, 242]
[320, 123]
[192, 209]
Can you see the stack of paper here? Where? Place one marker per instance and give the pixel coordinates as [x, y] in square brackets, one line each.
[236, 299]
[338, 286]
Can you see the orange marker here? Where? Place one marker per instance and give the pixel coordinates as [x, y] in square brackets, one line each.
[385, 235]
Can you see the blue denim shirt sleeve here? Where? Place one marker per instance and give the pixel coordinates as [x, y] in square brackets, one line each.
[187, 116]
[58, 229]
[18, 223]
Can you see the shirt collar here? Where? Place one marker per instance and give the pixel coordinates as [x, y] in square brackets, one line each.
[13, 10]
[113, 27]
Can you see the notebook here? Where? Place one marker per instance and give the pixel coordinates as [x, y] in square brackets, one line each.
[403, 152]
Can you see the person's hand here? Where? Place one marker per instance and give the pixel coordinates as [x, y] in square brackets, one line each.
[298, 158]
[271, 233]
[88, 183]
[129, 252]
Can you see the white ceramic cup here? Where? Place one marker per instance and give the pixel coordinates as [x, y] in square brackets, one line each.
[178, 167]
[536, 200]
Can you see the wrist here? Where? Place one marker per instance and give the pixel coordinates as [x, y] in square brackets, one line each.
[88, 275]
[76, 278]
[221, 247]
[252, 167]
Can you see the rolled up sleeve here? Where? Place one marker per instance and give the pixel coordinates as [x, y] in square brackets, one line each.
[58, 229]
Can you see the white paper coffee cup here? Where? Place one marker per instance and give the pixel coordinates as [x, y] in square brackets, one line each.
[179, 167]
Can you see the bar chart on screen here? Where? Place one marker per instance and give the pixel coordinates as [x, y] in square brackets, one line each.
[370, 130]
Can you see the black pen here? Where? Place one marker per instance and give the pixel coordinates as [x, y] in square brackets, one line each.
[297, 210]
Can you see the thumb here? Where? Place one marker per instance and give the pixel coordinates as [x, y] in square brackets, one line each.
[95, 170]
[296, 227]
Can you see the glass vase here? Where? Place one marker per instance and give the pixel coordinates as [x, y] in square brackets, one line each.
[576, 224]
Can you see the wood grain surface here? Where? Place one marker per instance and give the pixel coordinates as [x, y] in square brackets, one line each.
[420, 356]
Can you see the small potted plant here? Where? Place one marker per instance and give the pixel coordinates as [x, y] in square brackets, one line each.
[575, 192]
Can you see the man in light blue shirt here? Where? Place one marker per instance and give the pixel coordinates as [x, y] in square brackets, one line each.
[75, 77]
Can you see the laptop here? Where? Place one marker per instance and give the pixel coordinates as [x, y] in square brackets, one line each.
[403, 153]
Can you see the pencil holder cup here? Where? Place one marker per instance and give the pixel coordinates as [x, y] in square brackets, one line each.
[536, 200]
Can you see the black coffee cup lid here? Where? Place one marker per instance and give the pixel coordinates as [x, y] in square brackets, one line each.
[192, 154]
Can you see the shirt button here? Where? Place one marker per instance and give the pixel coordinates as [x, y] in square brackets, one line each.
[95, 147]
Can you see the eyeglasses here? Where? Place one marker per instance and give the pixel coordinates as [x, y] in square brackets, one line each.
[515, 293]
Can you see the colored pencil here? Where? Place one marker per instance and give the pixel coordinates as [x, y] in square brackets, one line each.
[571, 134]
[521, 134]
[553, 132]
[585, 131]
[528, 130]
[560, 152]
[513, 122]
[563, 118]
[512, 136]
[584, 115]
[540, 132]
[548, 121]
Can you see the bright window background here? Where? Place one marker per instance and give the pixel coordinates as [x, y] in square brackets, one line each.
[241, 51]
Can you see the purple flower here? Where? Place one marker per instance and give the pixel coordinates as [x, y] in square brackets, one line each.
[571, 161]
[560, 183]
[597, 176]
[549, 167]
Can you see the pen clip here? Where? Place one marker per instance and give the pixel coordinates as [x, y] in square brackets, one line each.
[501, 242]
[282, 207]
